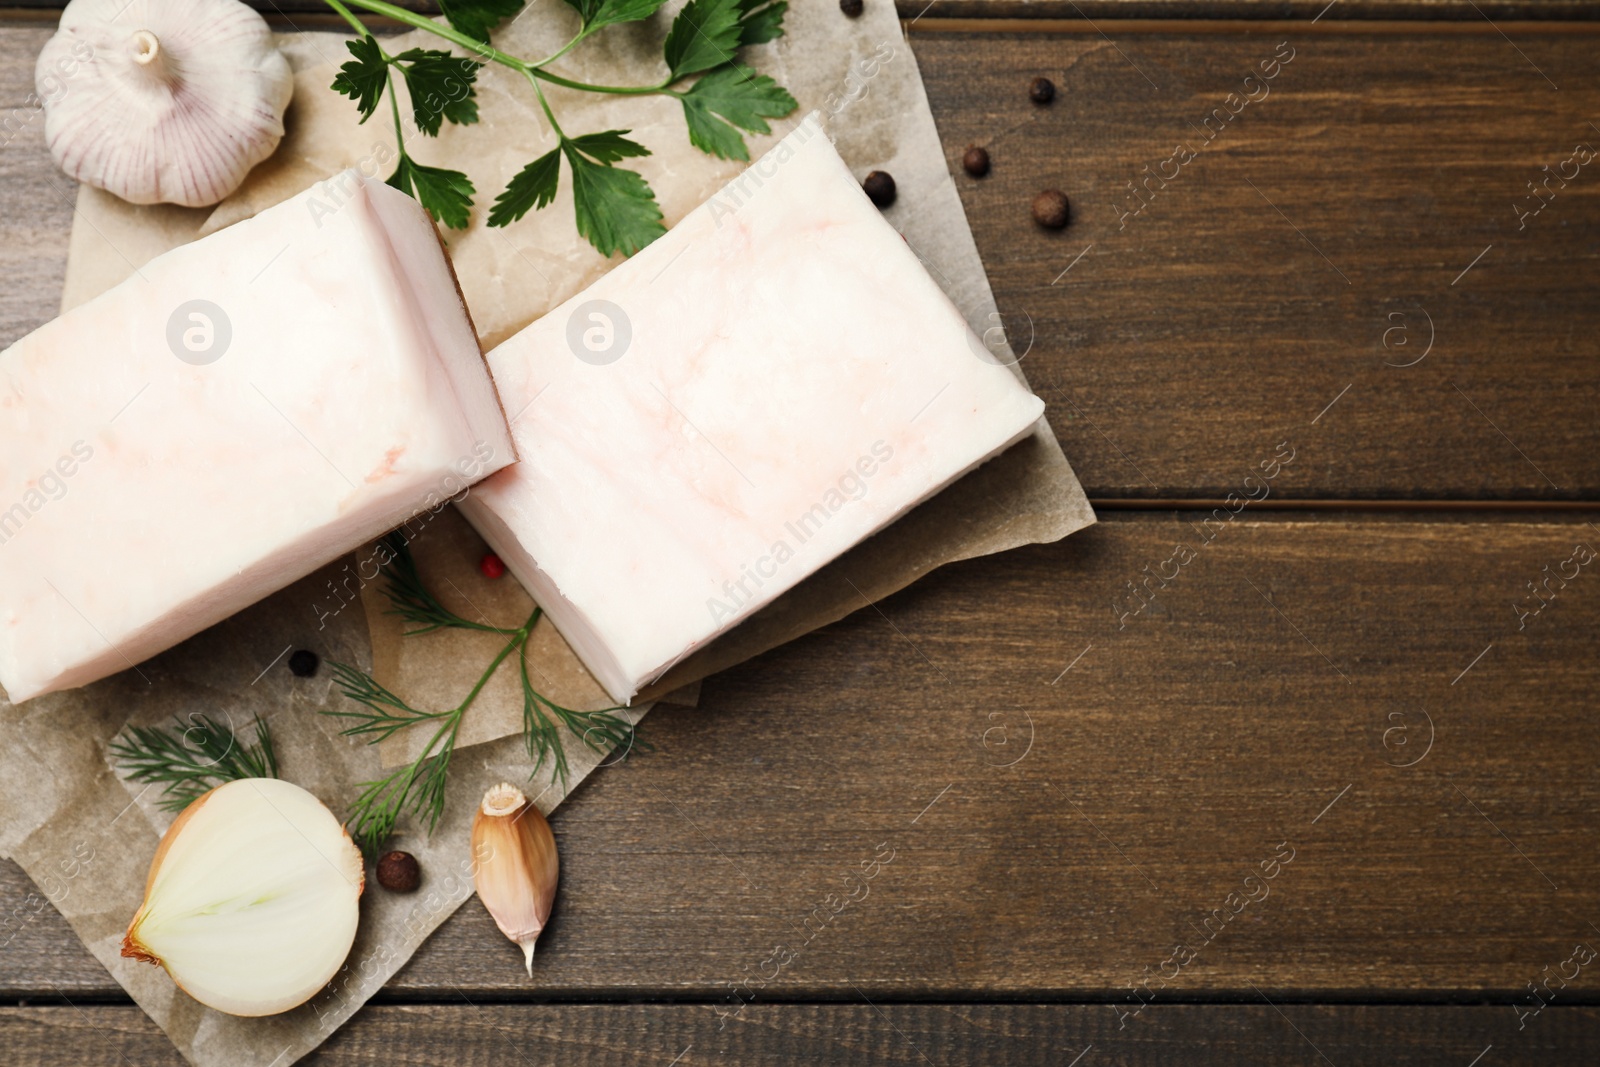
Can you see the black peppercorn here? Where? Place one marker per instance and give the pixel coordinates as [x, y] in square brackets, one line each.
[1050, 209]
[1041, 90]
[976, 161]
[851, 8]
[879, 187]
[303, 663]
[399, 872]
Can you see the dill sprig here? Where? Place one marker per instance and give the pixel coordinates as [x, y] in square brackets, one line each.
[412, 601]
[543, 718]
[196, 758]
[419, 787]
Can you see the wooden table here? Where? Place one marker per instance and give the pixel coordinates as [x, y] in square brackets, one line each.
[1086, 758]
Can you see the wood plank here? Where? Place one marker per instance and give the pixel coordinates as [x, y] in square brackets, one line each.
[603, 1035]
[1219, 319]
[35, 198]
[1263, 280]
[1172, 750]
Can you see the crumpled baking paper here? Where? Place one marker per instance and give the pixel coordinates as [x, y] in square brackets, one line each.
[86, 837]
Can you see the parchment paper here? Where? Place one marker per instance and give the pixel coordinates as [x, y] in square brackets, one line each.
[859, 73]
[86, 837]
[435, 671]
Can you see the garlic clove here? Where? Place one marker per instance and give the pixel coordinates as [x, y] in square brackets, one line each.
[162, 101]
[515, 866]
[252, 900]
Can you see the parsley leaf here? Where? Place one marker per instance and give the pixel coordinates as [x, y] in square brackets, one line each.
[608, 147]
[616, 208]
[440, 85]
[585, 8]
[446, 194]
[705, 34]
[363, 78]
[598, 13]
[615, 11]
[761, 22]
[476, 18]
[741, 98]
[533, 187]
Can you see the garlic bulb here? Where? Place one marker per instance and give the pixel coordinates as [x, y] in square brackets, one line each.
[162, 101]
[515, 865]
[252, 900]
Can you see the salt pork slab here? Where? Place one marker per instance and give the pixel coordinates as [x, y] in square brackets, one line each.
[241, 411]
[764, 387]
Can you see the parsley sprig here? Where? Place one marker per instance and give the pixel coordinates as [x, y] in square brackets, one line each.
[419, 787]
[615, 208]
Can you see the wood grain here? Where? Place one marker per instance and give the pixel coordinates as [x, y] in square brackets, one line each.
[625, 1035]
[1165, 766]
[1073, 780]
[35, 198]
[1263, 280]
[1241, 303]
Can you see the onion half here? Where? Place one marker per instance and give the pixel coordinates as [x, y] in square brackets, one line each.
[252, 900]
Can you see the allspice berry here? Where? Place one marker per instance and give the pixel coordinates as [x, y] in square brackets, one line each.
[1041, 90]
[399, 872]
[1050, 209]
[879, 187]
[303, 663]
[976, 161]
[852, 8]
